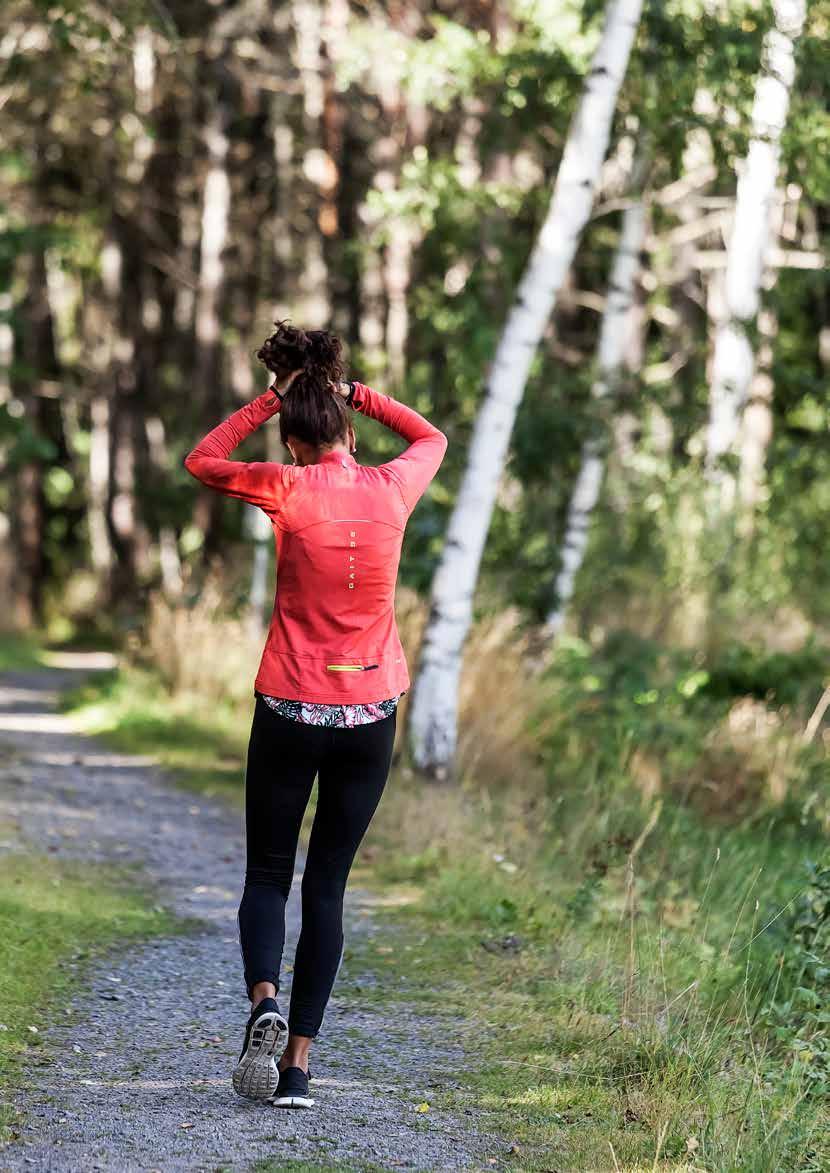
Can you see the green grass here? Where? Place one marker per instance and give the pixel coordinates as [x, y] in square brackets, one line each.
[619, 1009]
[19, 652]
[55, 918]
[202, 744]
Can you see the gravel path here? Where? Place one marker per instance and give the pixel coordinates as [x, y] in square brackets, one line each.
[125, 1089]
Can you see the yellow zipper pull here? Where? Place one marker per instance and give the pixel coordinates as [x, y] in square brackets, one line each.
[350, 667]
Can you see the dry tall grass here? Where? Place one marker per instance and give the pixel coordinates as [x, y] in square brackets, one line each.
[198, 649]
[499, 691]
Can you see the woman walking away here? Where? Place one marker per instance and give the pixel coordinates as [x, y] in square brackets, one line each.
[330, 676]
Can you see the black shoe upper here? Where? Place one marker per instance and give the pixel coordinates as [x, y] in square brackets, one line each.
[293, 1082]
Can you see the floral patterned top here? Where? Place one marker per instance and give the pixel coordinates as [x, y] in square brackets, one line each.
[334, 716]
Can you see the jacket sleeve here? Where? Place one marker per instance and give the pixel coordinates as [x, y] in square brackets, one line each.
[261, 483]
[417, 465]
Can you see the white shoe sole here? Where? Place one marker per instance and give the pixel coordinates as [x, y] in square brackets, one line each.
[292, 1101]
[256, 1076]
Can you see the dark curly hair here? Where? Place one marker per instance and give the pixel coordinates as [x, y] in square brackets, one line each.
[311, 411]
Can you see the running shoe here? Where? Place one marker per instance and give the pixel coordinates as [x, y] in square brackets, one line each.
[256, 1076]
[292, 1091]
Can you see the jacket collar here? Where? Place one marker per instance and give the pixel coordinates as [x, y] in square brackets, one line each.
[337, 457]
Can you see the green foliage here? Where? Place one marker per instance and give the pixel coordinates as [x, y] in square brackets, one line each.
[785, 678]
[19, 651]
[797, 1013]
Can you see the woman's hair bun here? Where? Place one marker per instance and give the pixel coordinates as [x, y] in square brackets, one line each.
[324, 349]
[290, 348]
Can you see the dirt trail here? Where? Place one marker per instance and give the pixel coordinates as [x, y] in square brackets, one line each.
[124, 1089]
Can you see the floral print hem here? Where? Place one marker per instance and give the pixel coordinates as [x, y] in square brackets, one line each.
[334, 716]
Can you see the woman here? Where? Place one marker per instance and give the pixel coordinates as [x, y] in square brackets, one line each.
[330, 676]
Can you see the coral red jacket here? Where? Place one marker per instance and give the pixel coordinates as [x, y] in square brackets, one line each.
[338, 527]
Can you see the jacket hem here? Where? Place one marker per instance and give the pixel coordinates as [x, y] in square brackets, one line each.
[285, 692]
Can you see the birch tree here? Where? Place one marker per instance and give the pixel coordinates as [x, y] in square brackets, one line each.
[611, 359]
[434, 710]
[733, 360]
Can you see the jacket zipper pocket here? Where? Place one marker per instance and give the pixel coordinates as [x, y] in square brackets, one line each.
[350, 667]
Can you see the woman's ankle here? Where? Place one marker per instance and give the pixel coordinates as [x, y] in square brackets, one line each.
[296, 1053]
[261, 991]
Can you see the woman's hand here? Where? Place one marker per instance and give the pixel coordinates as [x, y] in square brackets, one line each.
[286, 382]
[341, 389]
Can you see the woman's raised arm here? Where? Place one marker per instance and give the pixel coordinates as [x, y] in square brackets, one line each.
[417, 465]
[262, 483]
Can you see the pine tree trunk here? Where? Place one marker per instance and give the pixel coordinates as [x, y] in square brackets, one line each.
[433, 716]
[160, 153]
[733, 359]
[127, 535]
[38, 362]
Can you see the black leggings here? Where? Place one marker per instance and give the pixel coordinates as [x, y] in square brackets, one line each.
[283, 758]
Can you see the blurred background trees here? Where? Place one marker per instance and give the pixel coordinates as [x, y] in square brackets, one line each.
[174, 177]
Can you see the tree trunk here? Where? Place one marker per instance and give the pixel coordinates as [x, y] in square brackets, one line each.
[127, 534]
[433, 716]
[756, 424]
[311, 196]
[158, 216]
[733, 360]
[387, 273]
[100, 548]
[216, 201]
[613, 349]
[38, 362]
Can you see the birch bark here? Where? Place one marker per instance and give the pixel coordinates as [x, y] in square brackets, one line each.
[434, 712]
[733, 360]
[611, 360]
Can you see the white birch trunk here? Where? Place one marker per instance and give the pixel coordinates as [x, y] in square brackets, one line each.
[98, 488]
[756, 425]
[733, 360]
[755, 433]
[611, 359]
[434, 711]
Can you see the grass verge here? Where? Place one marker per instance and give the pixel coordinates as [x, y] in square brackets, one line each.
[55, 919]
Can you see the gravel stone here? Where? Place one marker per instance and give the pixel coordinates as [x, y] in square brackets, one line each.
[135, 1073]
